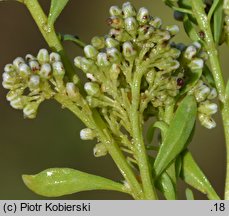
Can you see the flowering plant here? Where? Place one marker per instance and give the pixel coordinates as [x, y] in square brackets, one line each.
[134, 73]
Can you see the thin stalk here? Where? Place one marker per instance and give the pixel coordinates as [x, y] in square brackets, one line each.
[142, 158]
[49, 34]
[210, 46]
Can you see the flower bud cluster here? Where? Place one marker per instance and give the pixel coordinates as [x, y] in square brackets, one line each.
[28, 80]
[204, 93]
[192, 61]
[136, 39]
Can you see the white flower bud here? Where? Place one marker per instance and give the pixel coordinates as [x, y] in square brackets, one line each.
[8, 78]
[87, 134]
[91, 77]
[128, 50]
[100, 150]
[202, 93]
[34, 65]
[43, 56]
[143, 15]
[8, 68]
[90, 51]
[113, 55]
[173, 29]
[196, 64]
[212, 94]
[111, 42]
[14, 94]
[190, 52]
[54, 57]
[45, 71]
[34, 82]
[30, 110]
[207, 121]
[128, 10]
[208, 108]
[156, 22]
[18, 61]
[72, 90]
[92, 88]
[197, 45]
[131, 25]
[29, 57]
[18, 102]
[58, 69]
[102, 60]
[115, 11]
[24, 70]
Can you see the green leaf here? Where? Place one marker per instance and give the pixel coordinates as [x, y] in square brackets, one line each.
[166, 186]
[177, 134]
[218, 22]
[189, 194]
[193, 79]
[56, 182]
[158, 124]
[192, 175]
[55, 9]
[164, 183]
[189, 29]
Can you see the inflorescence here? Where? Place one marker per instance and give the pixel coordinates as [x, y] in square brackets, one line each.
[136, 43]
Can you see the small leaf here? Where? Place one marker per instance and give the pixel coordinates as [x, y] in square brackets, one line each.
[158, 124]
[193, 79]
[177, 134]
[218, 22]
[189, 194]
[192, 175]
[56, 182]
[166, 186]
[55, 9]
[189, 29]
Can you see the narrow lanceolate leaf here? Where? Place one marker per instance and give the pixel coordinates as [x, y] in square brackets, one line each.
[56, 182]
[177, 134]
[189, 29]
[158, 124]
[192, 175]
[166, 186]
[194, 77]
[56, 7]
[218, 22]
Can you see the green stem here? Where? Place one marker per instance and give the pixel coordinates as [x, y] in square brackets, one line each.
[141, 153]
[106, 138]
[198, 9]
[49, 34]
[202, 19]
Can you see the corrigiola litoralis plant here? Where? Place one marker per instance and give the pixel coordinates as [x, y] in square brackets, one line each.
[135, 74]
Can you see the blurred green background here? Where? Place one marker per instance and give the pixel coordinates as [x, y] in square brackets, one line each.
[52, 139]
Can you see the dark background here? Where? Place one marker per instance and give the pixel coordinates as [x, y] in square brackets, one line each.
[52, 139]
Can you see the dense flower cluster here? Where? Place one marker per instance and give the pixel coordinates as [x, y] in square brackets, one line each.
[31, 80]
[137, 43]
